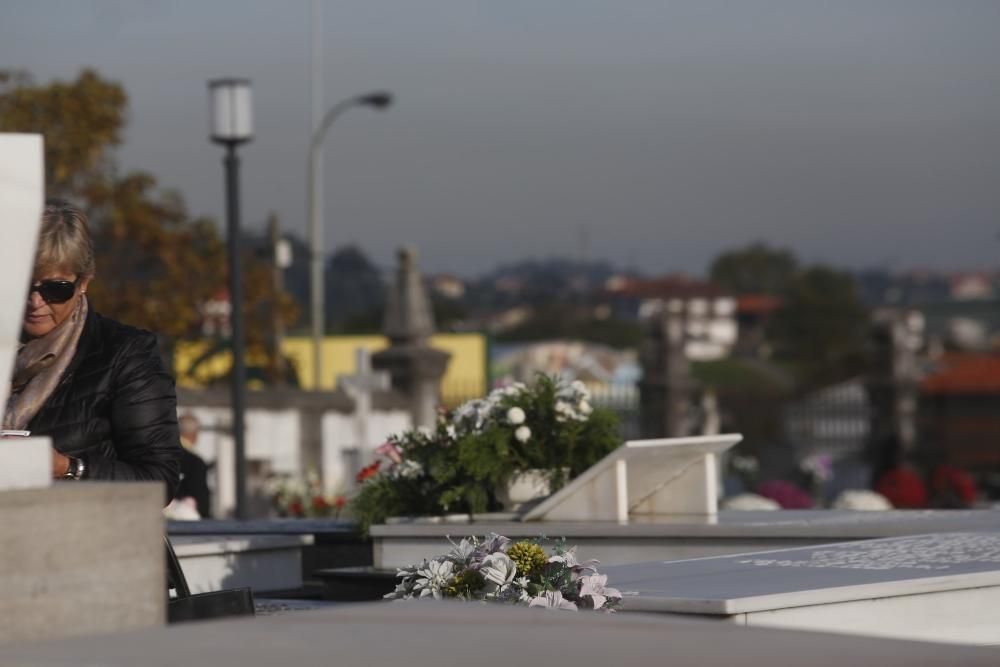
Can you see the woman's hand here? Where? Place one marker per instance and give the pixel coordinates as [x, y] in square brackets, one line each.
[60, 464]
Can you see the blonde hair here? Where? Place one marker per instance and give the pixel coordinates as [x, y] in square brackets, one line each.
[64, 242]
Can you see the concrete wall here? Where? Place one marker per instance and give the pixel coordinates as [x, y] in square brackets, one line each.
[81, 558]
[291, 432]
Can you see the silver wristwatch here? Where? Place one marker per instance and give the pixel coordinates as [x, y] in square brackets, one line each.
[76, 468]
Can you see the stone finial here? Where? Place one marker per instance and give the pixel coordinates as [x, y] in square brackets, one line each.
[408, 316]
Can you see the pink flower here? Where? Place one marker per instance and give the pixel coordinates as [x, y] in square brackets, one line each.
[391, 451]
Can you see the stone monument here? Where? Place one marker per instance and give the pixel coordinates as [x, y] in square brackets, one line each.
[893, 383]
[414, 367]
[664, 391]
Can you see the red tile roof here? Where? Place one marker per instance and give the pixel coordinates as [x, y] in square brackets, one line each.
[758, 304]
[965, 373]
[666, 287]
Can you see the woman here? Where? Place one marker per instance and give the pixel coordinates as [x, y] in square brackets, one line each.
[96, 387]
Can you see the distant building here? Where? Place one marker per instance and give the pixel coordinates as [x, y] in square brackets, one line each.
[972, 287]
[709, 313]
[448, 286]
[961, 423]
[753, 313]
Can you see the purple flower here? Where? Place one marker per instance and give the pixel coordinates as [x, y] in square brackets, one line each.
[786, 494]
[594, 587]
[568, 559]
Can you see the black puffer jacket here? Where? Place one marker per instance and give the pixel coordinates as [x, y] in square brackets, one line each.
[115, 407]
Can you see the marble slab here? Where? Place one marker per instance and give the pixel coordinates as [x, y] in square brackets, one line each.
[260, 562]
[429, 634]
[22, 191]
[939, 587]
[678, 537]
[25, 463]
[665, 476]
[825, 574]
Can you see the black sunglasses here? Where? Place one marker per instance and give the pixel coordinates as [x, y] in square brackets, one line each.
[55, 291]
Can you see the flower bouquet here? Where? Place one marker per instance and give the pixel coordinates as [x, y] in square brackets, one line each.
[303, 498]
[457, 467]
[520, 573]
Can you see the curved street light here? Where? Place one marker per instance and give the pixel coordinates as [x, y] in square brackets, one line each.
[376, 100]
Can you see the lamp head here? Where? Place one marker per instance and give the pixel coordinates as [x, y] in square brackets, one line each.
[231, 110]
[378, 100]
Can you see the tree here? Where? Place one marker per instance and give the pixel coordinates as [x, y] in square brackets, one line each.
[822, 327]
[755, 269]
[155, 264]
[81, 121]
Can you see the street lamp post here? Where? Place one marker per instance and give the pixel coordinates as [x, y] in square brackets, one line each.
[376, 100]
[232, 125]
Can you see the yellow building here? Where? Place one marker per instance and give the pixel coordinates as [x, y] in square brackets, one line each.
[195, 366]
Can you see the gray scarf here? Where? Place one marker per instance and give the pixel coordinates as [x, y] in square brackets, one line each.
[40, 365]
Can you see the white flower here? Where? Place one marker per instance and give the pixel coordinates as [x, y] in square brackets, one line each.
[595, 588]
[861, 499]
[564, 411]
[452, 433]
[749, 502]
[463, 550]
[434, 576]
[498, 570]
[408, 469]
[515, 415]
[585, 408]
[551, 600]
[522, 433]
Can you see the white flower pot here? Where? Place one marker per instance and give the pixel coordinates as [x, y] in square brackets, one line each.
[524, 487]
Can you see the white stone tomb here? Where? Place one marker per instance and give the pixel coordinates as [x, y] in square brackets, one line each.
[940, 587]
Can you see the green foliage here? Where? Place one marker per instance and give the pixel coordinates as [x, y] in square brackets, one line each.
[549, 425]
[557, 320]
[822, 327]
[756, 269]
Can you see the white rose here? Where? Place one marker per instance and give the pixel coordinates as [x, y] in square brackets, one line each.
[522, 433]
[515, 415]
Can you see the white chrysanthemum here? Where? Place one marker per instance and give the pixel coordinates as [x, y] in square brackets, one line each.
[861, 500]
[749, 502]
[523, 433]
[515, 416]
[432, 577]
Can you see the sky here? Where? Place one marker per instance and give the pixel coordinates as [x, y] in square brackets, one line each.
[654, 135]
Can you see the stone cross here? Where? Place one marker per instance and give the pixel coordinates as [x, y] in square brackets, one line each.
[361, 386]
